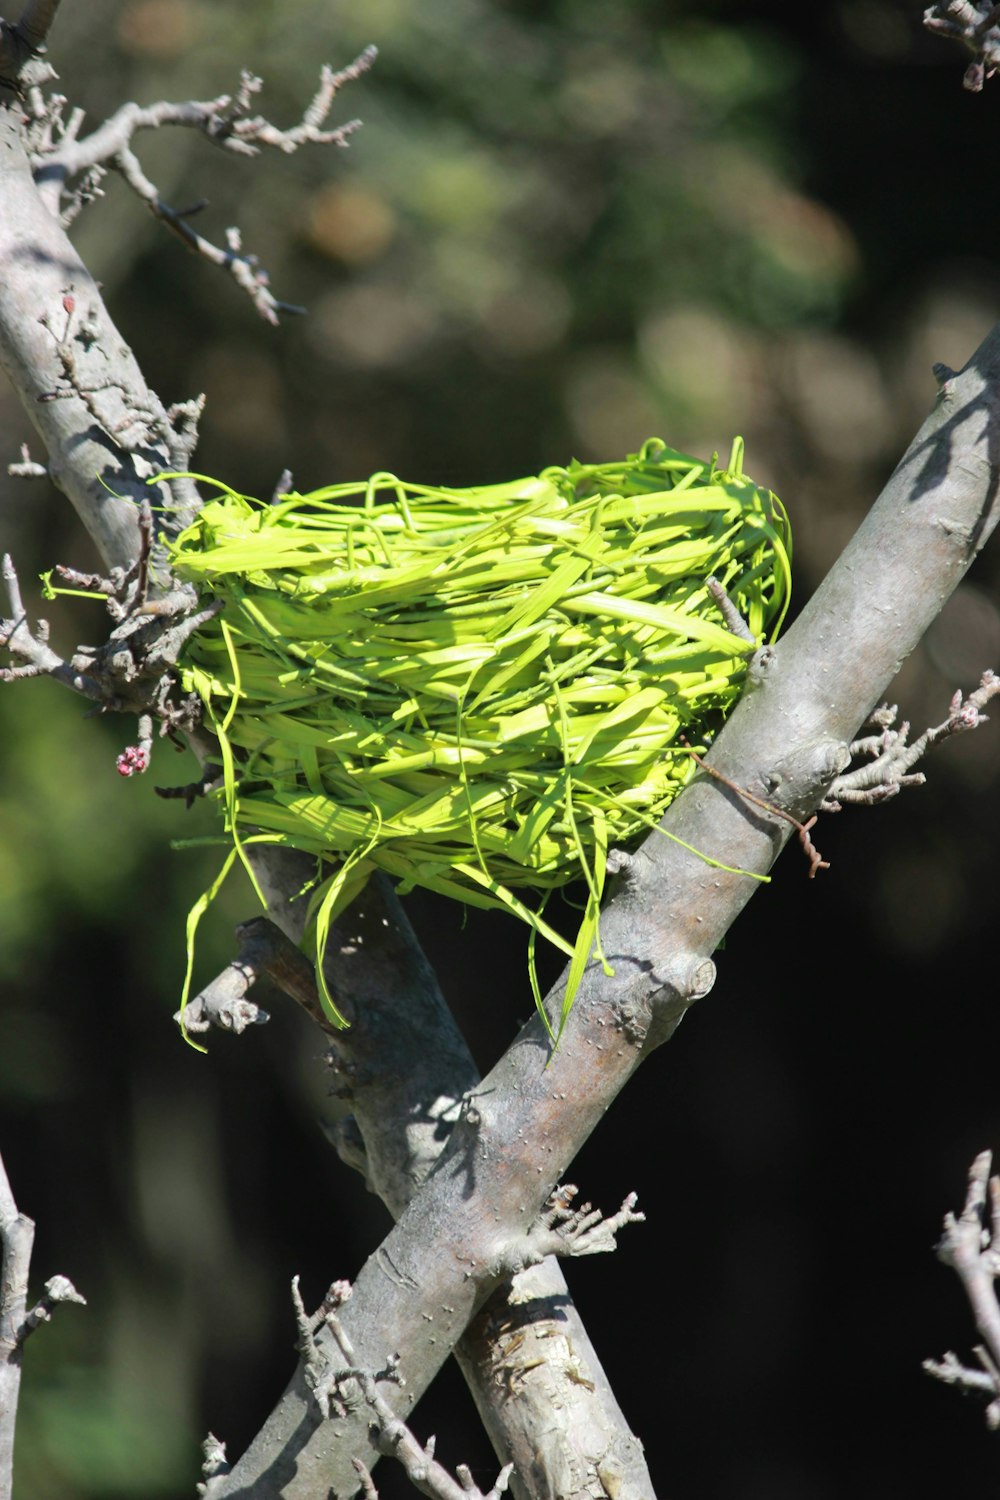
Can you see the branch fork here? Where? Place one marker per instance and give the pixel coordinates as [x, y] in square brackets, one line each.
[334, 1392]
[59, 154]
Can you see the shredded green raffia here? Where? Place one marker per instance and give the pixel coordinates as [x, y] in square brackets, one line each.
[477, 691]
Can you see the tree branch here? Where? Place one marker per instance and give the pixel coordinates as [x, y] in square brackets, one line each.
[403, 1068]
[401, 1118]
[975, 23]
[59, 154]
[21, 42]
[101, 451]
[17, 1236]
[972, 1250]
[889, 762]
[786, 741]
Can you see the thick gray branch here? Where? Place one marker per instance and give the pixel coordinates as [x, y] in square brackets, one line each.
[104, 430]
[404, 1066]
[17, 1237]
[786, 742]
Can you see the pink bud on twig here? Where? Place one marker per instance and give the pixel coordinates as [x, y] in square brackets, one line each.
[133, 759]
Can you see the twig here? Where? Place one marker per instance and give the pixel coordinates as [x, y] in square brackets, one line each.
[975, 23]
[888, 771]
[215, 1466]
[27, 468]
[59, 154]
[244, 268]
[263, 949]
[31, 648]
[135, 670]
[395, 1440]
[816, 862]
[17, 1235]
[562, 1230]
[735, 622]
[972, 1250]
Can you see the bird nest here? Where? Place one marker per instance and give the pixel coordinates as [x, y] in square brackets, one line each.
[479, 691]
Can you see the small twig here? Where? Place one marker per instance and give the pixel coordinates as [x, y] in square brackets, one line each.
[950, 1371]
[17, 1235]
[283, 486]
[135, 670]
[210, 778]
[263, 949]
[562, 1230]
[975, 23]
[27, 468]
[395, 1440]
[972, 1250]
[889, 768]
[735, 622]
[215, 1466]
[57, 1289]
[32, 648]
[59, 154]
[309, 1324]
[244, 268]
[816, 862]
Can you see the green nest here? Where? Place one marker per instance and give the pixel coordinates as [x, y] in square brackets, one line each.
[478, 691]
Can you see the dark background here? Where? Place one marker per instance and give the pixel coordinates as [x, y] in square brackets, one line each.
[564, 226]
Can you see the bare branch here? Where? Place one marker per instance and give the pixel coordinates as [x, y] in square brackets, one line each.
[786, 741]
[17, 1234]
[27, 468]
[263, 950]
[215, 1465]
[395, 1440]
[888, 768]
[101, 462]
[950, 1371]
[401, 1067]
[734, 620]
[972, 1250]
[562, 1230]
[31, 648]
[975, 23]
[59, 153]
[225, 121]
